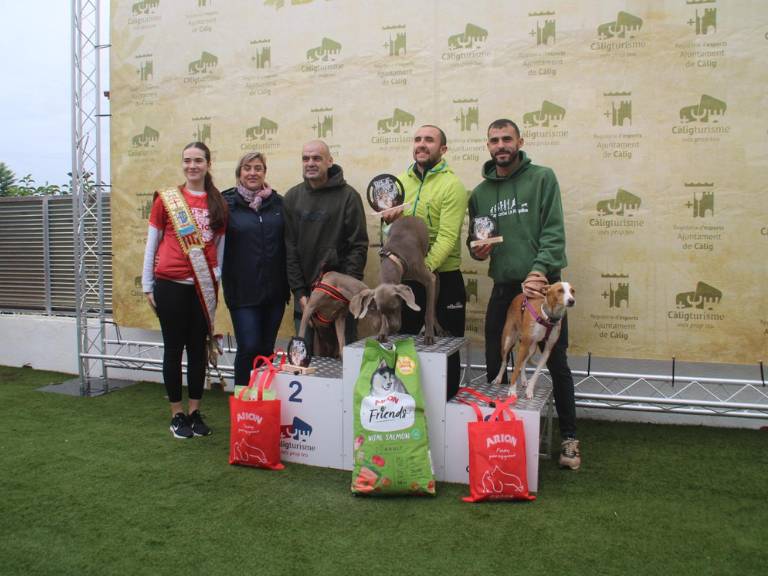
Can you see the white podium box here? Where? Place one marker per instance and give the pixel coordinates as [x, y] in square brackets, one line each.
[433, 361]
[310, 410]
[532, 412]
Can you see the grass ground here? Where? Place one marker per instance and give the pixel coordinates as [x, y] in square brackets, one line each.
[98, 486]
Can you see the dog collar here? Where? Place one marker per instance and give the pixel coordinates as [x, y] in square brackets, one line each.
[546, 321]
[395, 258]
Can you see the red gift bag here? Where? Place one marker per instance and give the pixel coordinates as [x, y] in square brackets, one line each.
[254, 434]
[497, 469]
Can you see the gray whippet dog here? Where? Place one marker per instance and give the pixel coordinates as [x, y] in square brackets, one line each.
[402, 258]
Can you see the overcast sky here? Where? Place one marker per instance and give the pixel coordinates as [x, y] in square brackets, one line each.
[35, 93]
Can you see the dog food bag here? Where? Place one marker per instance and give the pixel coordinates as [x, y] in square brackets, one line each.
[391, 444]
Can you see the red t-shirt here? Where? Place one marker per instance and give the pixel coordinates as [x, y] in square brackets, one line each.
[170, 261]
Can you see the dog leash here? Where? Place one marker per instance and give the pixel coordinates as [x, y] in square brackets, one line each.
[395, 258]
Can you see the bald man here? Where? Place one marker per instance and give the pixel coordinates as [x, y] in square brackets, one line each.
[324, 228]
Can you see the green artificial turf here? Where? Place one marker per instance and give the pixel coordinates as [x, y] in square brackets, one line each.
[98, 486]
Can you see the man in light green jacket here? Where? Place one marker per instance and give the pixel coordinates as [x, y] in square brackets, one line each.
[437, 196]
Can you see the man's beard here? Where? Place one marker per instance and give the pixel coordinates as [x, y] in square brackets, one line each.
[504, 164]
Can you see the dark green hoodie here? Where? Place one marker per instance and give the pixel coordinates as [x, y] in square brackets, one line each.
[529, 212]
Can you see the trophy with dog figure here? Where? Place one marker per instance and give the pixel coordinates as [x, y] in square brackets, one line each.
[299, 357]
[484, 230]
[385, 195]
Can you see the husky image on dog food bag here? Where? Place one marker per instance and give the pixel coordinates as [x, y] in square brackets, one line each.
[391, 445]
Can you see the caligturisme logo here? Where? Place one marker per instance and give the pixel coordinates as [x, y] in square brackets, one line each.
[262, 53]
[323, 123]
[397, 41]
[618, 216]
[544, 30]
[623, 204]
[704, 19]
[467, 46]
[705, 296]
[145, 69]
[144, 7]
[618, 290]
[709, 109]
[467, 114]
[206, 64]
[266, 129]
[280, 3]
[624, 26]
[619, 111]
[297, 430]
[703, 201]
[548, 116]
[400, 121]
[147, 139]
[472, 38]
[202, 131]
[326, 52]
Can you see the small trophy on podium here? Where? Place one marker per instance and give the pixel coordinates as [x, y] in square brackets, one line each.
[385, 194]
[298, 357]
[484, 230]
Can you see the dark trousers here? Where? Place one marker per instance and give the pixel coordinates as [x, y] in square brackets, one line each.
[255, 331]
[450, 312]
[557, 363]
[183, 325]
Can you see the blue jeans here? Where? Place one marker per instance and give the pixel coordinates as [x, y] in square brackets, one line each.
[255, 331]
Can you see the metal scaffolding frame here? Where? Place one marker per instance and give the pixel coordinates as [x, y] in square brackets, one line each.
[87, 216]
[97, 353]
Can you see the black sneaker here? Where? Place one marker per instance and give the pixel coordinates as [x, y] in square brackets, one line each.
[199, 428]
[180, 427]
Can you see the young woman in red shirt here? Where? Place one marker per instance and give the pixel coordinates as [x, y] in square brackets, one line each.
[180, 277]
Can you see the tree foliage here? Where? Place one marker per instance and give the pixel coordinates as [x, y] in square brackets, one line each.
[7, 179]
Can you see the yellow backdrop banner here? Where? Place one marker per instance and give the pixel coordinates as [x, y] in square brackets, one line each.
[651, 113]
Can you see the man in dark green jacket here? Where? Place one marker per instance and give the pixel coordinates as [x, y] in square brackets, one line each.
[524, 199]
[325, 229]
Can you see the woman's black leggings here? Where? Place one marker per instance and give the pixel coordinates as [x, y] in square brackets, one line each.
[183, 324]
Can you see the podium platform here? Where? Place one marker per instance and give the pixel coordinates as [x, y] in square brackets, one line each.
[316, 412]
